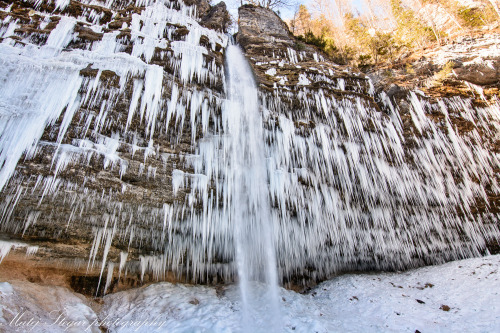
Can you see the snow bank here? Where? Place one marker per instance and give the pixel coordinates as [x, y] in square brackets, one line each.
[458, 296]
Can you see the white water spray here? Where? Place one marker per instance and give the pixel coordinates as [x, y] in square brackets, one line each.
[250, 209]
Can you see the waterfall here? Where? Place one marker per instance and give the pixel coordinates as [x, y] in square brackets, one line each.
[250, 208]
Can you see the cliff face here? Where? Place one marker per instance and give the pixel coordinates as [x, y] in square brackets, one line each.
[469, 67]
[114, 151]
[373, 175]
[99, 105]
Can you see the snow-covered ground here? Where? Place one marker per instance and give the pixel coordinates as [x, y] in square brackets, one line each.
[461, 296]
[29, 307]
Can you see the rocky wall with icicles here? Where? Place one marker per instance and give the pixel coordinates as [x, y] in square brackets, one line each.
[365, 178]
[101, 105]
[115, 142]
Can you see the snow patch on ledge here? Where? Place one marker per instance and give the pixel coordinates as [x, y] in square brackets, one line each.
[271, 71]
[303, 80]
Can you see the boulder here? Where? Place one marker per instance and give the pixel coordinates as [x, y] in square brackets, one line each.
[479, 71]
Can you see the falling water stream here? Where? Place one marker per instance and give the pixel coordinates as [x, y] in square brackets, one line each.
[250, 209]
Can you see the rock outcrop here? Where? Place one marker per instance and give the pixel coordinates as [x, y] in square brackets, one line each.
[467, 67]
[260, 30]
[217, 18]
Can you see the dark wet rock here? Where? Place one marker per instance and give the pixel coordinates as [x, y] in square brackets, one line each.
[395, 91]
[217, 18]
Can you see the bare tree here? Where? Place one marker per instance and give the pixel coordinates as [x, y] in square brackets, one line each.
[272, 4]
[294, 22]
[325, 8]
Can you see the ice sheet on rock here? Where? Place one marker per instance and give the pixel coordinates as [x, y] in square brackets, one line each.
[60, 36]
[9, 29]
[192, 60]
[148, 29]
[26, 107]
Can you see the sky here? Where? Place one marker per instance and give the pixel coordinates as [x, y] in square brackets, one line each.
[285, 12]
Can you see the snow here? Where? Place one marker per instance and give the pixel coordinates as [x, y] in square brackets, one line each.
[303, 80]
[460, 296]
[28, 307]
[378, 302]
[414, 300]
[271, 71]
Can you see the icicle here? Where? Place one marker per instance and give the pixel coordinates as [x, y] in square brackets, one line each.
[31, 251]
[150, 101]
[123, 261]
[109, 277]
[5, 248]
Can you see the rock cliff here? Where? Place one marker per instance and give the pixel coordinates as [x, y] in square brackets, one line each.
[375, 175]
[101, 105]
[113, 151]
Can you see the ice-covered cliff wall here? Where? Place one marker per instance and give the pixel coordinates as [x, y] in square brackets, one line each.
[114, 144]
[366, 178]
[102, 105]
